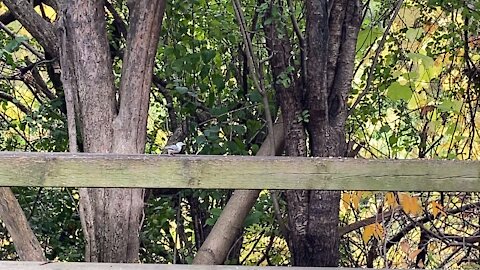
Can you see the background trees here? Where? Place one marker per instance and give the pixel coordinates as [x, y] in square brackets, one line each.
[414, 94]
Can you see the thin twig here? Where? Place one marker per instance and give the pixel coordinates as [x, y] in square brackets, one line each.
[375, 58]
[15, 102]
[254, 67]
[24, 43]
[301, 39]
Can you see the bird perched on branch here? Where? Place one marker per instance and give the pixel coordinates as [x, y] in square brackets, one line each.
[174, 148]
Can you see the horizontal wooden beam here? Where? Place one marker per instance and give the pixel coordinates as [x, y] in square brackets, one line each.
[235, 172]
[10, 265]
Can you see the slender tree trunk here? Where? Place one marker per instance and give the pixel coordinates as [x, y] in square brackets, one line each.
[290, 100]
[26, 243]
[230, 223]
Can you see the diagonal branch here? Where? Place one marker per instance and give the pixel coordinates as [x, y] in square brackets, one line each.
[375, 58]
[26, 243]
[254, 66]
[15, 102]
[39, 28]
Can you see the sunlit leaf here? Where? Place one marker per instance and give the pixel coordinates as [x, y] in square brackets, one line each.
[411, 205]
[368, 233]
[372, 230]
[396, 92]
[427, 61]
[346, 199]
[436, 208]
[414, 254]
[390, 199]
[356, 196]
[413, 33]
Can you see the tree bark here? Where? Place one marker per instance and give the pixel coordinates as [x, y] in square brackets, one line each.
[290, 100]
[26, 243]
[332, 29]
[111, 218]
[230, 223]
[331, 32]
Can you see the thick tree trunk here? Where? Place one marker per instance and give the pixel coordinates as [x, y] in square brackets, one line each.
[110, 217]
[332, 28]
[26, 243]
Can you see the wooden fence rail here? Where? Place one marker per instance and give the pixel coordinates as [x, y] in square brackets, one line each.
[235, 172]
[129, 266]
[225, 172]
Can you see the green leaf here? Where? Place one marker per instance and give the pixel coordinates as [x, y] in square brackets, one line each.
[450, 106]
[426, 60]
[208, 55]
[14, 44]
[181, 89]
[239, 129]
[413, 33]
[255, 96]
[397, 92]
[367, 37]
[177, 65]
[219, 81]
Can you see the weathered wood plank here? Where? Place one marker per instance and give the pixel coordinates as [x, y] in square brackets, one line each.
[10, 265]
[235, 172]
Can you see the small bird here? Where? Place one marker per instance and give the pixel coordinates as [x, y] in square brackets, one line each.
[174, 148]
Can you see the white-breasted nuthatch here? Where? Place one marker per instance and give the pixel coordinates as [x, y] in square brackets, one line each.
[174, 148]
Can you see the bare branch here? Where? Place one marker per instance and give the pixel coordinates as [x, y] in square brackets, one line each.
[253, 65]
[39, 28]
[24, 43]
[375, 58]
[15, 102]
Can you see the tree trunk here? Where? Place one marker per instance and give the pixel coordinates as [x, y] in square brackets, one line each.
[110, 217]
[230, 223]
[26, 243]
[331, 32]
[332, 29]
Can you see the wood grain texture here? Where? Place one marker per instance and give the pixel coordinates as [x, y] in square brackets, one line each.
[11, 265]
[235, 172]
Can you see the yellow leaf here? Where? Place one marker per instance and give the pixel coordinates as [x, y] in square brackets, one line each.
[5, 242]
[368, 233]
[346, 198]
[390, 199]
[411, 205]
[436, 208]
[378, 232]
[414, 254]
[372, 230]
[356, 196]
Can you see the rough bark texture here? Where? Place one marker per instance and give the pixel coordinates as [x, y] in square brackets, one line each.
[110, 217]
[332, 29]
[26, 243]
[331, 32]
[229, 225]
[291, 104]
[131, 123]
